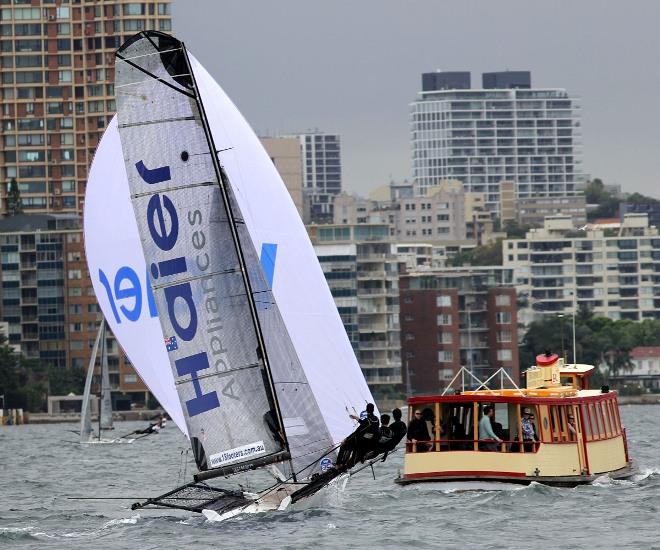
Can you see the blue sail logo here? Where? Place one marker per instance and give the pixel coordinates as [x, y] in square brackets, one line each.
[160, 211]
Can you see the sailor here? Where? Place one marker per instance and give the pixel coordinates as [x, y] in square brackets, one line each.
[361, 441]
[385, 437]
[399, 428]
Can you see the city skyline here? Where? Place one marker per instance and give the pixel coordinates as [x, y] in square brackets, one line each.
[301, 66]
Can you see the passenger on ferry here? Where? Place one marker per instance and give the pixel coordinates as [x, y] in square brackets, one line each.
[572, 432]
[418, 433]
[528, 430]
[361, 441]
[488, 441]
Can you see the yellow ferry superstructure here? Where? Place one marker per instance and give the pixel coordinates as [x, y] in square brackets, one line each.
[578, 432]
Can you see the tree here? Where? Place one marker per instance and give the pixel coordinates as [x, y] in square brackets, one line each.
[599, 340]
[488, 254]
[23, 381]
[14, 202]
[608, 204]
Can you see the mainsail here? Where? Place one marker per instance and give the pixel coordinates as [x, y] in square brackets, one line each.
[197, 269]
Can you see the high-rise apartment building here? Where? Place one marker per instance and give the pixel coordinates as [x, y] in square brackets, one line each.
[611, 272]
[361, 267]
[457, 317]
[321, 157]
[285, 152]
[57, 90]
[505, 131]
[437, 217]
[48, 301]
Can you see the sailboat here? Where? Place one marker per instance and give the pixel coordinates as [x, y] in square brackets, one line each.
[263, 369]
[87, 435]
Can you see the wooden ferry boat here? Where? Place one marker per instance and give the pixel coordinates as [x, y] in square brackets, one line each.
[578, 434]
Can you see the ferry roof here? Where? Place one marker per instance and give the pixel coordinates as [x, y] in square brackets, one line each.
[514, 396]
[577, 368]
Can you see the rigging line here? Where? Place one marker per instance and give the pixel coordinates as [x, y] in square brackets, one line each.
[189, 94]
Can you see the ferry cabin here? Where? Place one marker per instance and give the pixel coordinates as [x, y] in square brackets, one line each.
[579, 434]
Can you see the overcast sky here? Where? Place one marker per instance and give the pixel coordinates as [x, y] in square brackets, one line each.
[353, 66]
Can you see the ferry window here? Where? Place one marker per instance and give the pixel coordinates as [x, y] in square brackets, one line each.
[611, 417]
[615, 418]
[587, 422]
[597, 421]
[501, 421]
[459, 427]
[606, 418]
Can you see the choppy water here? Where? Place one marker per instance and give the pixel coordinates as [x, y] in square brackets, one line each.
[39, 470]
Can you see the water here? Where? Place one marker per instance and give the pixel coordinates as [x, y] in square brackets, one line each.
[40, 469]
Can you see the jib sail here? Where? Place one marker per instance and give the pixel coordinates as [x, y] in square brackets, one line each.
[195, 261]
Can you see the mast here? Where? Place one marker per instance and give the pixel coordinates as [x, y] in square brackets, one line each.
[222, 184]
[102, 331]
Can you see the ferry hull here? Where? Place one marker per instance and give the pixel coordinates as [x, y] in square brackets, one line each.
[510, 477]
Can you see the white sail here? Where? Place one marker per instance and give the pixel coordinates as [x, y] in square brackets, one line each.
[298, 283]
[275, 230]
[119, 273]
[85, 409]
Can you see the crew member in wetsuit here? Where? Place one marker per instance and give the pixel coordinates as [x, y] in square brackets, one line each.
[399, 431]
[361, 441]
[385, 435]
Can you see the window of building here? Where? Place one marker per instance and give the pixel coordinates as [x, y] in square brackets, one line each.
[445, 356]
[444, 338]
[444, 319]
[503, 317]
[504, 355]
[502, 300]
[443, 301]
[130, 378]
[504, 336]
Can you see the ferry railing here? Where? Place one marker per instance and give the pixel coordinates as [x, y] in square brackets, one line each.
[483, 384]
[514, 446]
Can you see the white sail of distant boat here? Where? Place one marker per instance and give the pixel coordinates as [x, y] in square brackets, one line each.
[264, 376]
[105, 422]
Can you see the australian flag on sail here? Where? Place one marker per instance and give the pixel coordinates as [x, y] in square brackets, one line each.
[170, 344]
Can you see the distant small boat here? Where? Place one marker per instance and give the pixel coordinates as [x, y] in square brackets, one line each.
[87, 435]
[555, 431]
